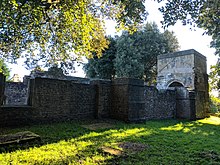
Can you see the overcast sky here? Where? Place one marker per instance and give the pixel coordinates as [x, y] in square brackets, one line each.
[187, 38]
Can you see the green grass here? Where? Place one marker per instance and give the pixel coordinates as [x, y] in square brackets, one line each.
[169, 142]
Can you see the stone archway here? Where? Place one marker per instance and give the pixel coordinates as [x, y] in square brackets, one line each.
[189, 68]
[182, 100]
[175, 84]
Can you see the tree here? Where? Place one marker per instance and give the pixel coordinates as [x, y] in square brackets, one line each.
[102, 67]
[4, 69]
[214, 77]
[133, 55]
[128, 57]
[137, 53]
[56, 31]
[204, 14]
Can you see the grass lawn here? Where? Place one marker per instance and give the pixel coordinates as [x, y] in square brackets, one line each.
[153, 142]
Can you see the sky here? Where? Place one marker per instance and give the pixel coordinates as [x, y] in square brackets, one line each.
[187, 38]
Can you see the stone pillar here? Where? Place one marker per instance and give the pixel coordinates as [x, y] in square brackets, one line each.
[31, 84]
[103, 98]
[192, 100]
[2, 88]
[128, 100]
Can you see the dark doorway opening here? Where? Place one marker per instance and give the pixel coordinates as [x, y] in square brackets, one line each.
[176, 84]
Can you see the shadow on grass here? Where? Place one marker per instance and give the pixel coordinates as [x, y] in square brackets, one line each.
[169, 141]
[49, 133]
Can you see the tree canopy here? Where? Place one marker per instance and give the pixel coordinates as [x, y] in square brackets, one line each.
[53, 31]
[204, 14]
[133, 55]
[103, 67]
[137, 53]
[214, 77]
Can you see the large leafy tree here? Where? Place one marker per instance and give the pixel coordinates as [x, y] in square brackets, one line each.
[204, 14]
[133, 55]
[103, 67]
[214, 77]
[56, 31]
[137, 53]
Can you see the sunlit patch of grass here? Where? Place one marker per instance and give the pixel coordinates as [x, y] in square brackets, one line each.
[167, 142]
[185, 127]
[211, 120]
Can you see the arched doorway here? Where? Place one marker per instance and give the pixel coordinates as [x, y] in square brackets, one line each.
[175, 84]
[182, 100]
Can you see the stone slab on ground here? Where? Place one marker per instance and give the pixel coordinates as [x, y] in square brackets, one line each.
[112, 151]
[125, 148]
[19, 137]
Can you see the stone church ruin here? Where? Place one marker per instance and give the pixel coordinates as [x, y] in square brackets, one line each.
[181, 92]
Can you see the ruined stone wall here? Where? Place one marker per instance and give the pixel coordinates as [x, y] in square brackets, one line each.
[15, 116]
[16, 93]
[61, 100]
[201, 86]
[2, 88]
[53, 100]
[128, 100]
[159, 104]
[185, 104]
[103, 98]
[176, 67]
[187, 68]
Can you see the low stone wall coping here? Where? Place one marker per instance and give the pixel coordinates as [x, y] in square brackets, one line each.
[181, 53]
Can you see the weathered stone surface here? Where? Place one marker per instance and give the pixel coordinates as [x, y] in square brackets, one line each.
[2, 88]
[15, 115]
[159, 104]
[127, 99]
[126, 148]
[53, 100]
[187, 69]
[61, 100]
[112, 151]
[16, 93]
[103, 98]
[17, 138]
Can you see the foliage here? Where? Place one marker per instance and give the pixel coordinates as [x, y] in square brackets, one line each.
[103, 67]
[137, 53]
[214, 77]
[55, 71]
[133, 55]
[202, 13]
[128, 58]
[167, 141]
[4, 69]
[54, 31]
[214, 104]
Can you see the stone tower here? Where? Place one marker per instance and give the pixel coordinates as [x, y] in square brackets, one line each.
[186, 71]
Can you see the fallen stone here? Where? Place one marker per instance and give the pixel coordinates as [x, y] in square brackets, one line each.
[17, 138]
[112, 151]
[126, 148]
